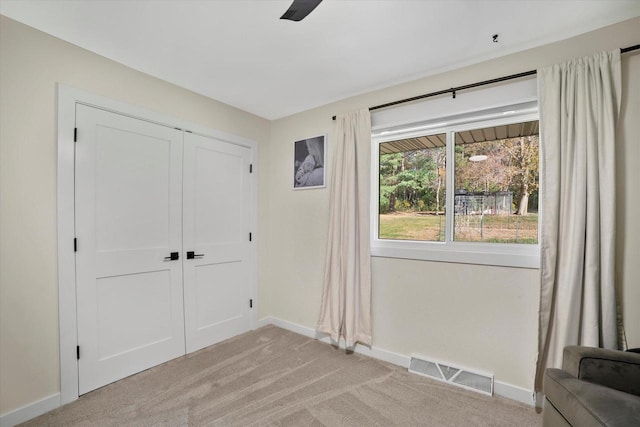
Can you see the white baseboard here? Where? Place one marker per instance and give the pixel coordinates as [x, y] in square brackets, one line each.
[375, 352]
[508, 391]
[514, 392]
[30, 411]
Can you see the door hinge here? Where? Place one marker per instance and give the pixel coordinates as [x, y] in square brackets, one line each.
[78, 352]
[250, 237]
[75, 244]
[75, 134]
[251, 168]
[250, 303]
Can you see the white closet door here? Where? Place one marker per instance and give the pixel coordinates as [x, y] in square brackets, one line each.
[216, 212]
[128, 221]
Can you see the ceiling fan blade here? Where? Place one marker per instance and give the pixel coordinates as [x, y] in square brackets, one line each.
[299, 9]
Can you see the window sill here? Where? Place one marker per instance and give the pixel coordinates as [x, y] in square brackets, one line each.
[504, 255]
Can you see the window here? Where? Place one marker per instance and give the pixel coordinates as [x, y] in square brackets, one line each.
[496, 184]
[412, 188]
[464, 189]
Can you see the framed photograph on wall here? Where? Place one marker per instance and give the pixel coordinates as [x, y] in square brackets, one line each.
[309, 169]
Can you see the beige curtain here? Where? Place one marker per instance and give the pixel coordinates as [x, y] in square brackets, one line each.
[579, 103]
[346, 298]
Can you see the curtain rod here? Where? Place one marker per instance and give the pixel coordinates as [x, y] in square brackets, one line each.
[453, 90]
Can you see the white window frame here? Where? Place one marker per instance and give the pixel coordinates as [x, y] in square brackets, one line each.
[498, 254]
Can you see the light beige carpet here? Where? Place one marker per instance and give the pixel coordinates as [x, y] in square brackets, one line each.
[274, 377]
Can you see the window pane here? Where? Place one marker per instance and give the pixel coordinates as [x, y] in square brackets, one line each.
[412, 188]
[496, 184]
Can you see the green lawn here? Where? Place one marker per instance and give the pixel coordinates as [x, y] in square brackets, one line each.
[412, 227]
[468, 228]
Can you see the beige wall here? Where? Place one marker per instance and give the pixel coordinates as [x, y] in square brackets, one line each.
[478, 316]
[475, 316]
[31, 63]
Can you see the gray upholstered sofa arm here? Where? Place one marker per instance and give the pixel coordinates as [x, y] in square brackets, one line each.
[596, 387]
[610, 368]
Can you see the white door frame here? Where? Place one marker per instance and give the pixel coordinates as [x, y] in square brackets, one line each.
[68, 97]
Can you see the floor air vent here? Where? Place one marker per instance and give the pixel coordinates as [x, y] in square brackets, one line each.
[466, 378]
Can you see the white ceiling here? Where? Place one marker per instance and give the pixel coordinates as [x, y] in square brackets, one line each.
[240, 52]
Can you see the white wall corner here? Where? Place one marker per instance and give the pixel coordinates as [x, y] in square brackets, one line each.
[501, 389]
[32, 410]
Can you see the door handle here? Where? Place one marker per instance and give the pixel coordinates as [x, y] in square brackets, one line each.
[192, 255]
[173, 256]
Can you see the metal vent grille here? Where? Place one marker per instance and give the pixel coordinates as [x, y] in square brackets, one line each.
[475, 381]
[461, 377]
[422, 366]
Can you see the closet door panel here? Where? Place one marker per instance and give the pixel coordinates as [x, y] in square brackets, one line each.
[128, 221]
[216, 229]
